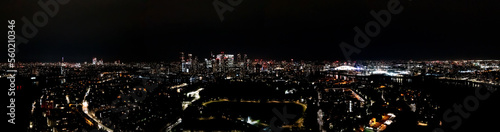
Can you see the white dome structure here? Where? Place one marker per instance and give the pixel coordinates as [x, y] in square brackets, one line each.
[345, 68]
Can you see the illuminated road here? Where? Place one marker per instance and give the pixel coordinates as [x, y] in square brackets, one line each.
[91, 113]
[169, 127]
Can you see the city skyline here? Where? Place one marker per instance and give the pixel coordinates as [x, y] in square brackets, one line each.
[89, 59]
[251, 65]
[255, 94]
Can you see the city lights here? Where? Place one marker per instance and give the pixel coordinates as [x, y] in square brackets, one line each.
[255, 94]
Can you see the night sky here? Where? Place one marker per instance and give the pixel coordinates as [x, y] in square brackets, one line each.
[157, 30]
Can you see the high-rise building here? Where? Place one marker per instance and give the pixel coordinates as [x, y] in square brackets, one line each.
[94, 61]
[225, 61]
[238, 58]
[186, 64]
[183, 62]
[100, 62]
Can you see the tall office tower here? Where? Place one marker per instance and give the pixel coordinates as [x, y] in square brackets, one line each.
[215, 66]
[208, 63]
[221, 62]
[230, 60]
[239, 61]
[194, 64]
[246, 61]
[183, 62]
[94, 61]
[100, 62]
[238, 58]
[188, 63]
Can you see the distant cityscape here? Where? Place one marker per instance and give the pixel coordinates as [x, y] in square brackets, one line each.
[235, 92]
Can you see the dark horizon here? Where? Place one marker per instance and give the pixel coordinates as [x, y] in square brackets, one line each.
[152, 30]
[140, 60]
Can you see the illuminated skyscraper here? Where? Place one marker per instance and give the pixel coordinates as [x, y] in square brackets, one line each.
[94, 61]
[183, 68]
[189, 62]
[225, 61]
[186, 63]
[100, 62]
